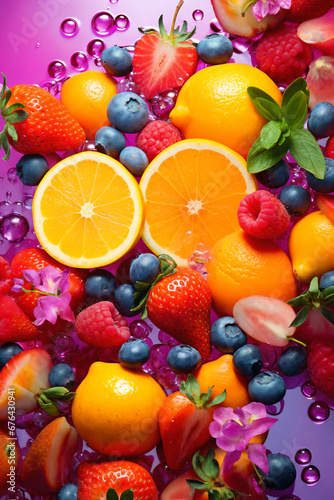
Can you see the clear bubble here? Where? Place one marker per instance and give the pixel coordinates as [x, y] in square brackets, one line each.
[310, 474]
[308, 389]
[113, 1]
[5, 208]
[318, 411]
[122, 22]
[214, 26]
[139, 329]
[79, 61]
[87, 146]
[9, 194]
[57, 69]
[18, 207]
[198, 15]
[14, 228]
[11, 174]
[303, 456]
[103, 23]
[50, 86]
[96, 47]
[27, 201]
[98, 61]
[69, 27]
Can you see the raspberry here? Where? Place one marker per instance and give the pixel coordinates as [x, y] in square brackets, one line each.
[330, 148]
[262, 215]
[282, 55]
[6, 277]
[101, 325]
[320, 364]
[156, 137]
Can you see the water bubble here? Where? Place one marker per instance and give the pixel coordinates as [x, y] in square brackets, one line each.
[18, 207]
[303, 456]
[167, 339]
[318, 411]
[122, 22]
[198, 15]
[11, 174]
[37, 45]
[9, 194]
[214, 26]
[87, 146]
[69, 27]
[139, 329]
[96, 47]
[57, 69]
[275, 409]
[14, 228]
[102, 23]
[113, 1]
[27, 201]
[310, 474]
[98, 61]
[5, 208]
[79, 61]
[50, 86]
[308, 389]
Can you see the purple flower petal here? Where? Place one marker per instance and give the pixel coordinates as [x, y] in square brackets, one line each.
[46, 310]
[257, 410]
[33, 277]
[257, 455]
[214, 429]
[64, 283]
[260, 9]
[18, 284]
[285, 4]
[273, 7]
[230, 459]
[232, 430]
[50, 278]
[222, 415]
[66, 312]
[257, 427]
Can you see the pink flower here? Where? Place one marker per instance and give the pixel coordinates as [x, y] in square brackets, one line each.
[50, 307]
[262, 8]
[234, 430]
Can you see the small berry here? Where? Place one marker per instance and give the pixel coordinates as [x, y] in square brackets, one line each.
[6, 277]
[183, 359]
[262, 215]
[327, 280]
[215, 49]
[128, 112]
[61, 375]
[31, 169]
[275, 176]
[247, 360]
[134, 159]
[325, 185]
[68, 492]
[7, 351]
[226, 335]
[100, 285]
[124, 297]
[330, 148]
[144, 268]
[320, 364]
[282, 472]
[109, 141]
[296, 199]
[116, 61]
[321, 120]
[134, 353]
[267, 388]
[156, 137]
[292, 361]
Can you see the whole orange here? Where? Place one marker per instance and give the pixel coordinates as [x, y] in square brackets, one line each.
[221, 375]
[86, 96]
[115, 410]
[241, 265]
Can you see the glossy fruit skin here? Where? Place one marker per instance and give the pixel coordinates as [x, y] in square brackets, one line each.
[183, 359]
[134, 159]
[320, 363]
[292, 361]
[109, 141]
[215, 49]
[275, 176]
[116, 61]
[128, 112]
[6, 276]
[330, 147]
[282, 472]
[68, 492]
[31, 169]
[267, 388]
[61, 375]
[7, 351]
[247, 360]
[124, 296]
[15, 325]
[327, 280]
[134, 353]
[325, 185]
[226, 336]
[296, 199]
[321, 120]
[144, 268]
[100, 284]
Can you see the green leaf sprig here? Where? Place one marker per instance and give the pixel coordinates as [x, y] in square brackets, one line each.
[49, 399]
[192, 390]
[314, 299]
[11, 114]
[284, 131]
[126, 495]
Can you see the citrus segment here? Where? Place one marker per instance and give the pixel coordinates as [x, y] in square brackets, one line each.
[88, 211]
[192, 191]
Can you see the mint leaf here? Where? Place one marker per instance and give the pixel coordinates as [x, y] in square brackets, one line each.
[306, 151]
[296, 110]
[293, 88]
[265, 104]
[260, 159]
[270, 134]
[255, 92]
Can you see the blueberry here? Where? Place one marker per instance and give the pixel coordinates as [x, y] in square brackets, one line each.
[282, 472]
[134, 159]
[215, 49]
[226, 335]
[123, 298]
[7, 351]
[247, 360]
[267, 388]
[31, 169]
[100, 284]
[296, 200]
[183, 359]
[325, 185]
[128, 112]
[109, 141]
[134, 353]
[321, 120]
[68, 492]
[144, 268]
[275, 176]
[116, 61]
[292, 361]
[61, 375]
[327, 280]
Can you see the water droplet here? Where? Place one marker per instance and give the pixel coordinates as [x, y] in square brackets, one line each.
[8, 194]
[79, 61]
[5, 208]
[289, 497]
[198, 15]
[140, 329]
[275, 409]
[102, 23]
[50, 86]
[69, 27]
[37, 45]
[27, 201]
[214, 26]
[14, 228]
[87, 146]
[98, 61]
[308, 389]
[310, 474]
[11, 174]
[303, 456]
[96, 47]
[122, 22]
[113, 1]
[18, 207]
[318, 411]
[57, 69]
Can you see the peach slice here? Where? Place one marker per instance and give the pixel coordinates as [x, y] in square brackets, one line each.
[325, 202]
[48, 461]
[319, 32]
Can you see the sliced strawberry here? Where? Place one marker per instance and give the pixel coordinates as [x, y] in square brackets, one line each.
[326, 204]
[26, 373]
[14, 323]
[319, 32]
[320, 80]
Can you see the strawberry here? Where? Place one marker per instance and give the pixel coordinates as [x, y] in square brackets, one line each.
[15, 326]
[180, 305]
[320, 365]
[95, 480]
[36, 122]
[6, 276]
[162, 61]
[302, 10]
[184, 420]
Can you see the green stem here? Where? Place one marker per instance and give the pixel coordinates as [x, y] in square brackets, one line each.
[38, 291]
[179, 5]
[297, 341]
[249, 4]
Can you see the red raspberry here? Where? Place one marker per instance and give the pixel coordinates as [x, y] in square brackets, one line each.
[6, 277]
[156, 137]
[101, 325]
[262, 215]
[330, 148]
[282, 55]
[320, 364]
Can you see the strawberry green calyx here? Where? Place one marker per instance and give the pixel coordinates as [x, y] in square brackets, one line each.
[13, 114]
[126, 495]
[191, 389]
[49, 399]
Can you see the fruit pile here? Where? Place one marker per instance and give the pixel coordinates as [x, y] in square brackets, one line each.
[184, 210]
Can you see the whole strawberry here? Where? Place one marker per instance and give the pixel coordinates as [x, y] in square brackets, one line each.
[302, 10]
[320, 364]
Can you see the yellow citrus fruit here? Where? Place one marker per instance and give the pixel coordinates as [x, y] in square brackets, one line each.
[192, 191]
[115, 410]
[311, 244]
[88, 210]
[86, 96]
[241, 265]
[214, 104]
